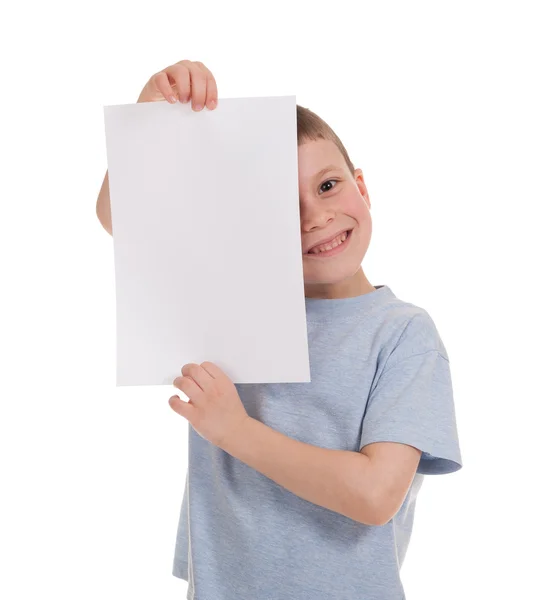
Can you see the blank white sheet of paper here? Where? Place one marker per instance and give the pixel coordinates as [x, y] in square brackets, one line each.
[207, 244]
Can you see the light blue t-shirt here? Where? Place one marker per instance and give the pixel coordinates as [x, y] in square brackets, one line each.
[379, 373]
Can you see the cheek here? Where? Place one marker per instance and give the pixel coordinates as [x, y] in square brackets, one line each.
[356, 208]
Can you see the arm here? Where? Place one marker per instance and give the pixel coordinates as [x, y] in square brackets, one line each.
[103, 206]
[368, 486]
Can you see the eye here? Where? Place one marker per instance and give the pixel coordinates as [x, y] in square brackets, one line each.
[326, 182]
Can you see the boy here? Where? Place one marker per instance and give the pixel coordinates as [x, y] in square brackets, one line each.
[306, 491]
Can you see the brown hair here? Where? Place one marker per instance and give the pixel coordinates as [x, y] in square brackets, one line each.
[310, 126]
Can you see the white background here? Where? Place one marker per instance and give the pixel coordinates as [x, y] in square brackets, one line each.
[436, 102]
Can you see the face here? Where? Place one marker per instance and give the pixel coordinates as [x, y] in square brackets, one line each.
[331, 203]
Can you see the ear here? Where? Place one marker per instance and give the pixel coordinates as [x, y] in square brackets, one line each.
[359, 178]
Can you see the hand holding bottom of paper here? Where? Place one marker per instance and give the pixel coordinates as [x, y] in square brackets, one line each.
[215, 409]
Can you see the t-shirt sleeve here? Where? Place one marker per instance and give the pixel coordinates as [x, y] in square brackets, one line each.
[412, 401]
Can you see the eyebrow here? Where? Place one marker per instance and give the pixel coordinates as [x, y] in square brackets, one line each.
[325, 170]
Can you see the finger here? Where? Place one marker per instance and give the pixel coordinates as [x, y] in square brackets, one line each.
[186, 409]
[161, 81]
[198, 86]
[211, 87]
[179, 78]
[201, 377]
[190, 387]
[212, 369]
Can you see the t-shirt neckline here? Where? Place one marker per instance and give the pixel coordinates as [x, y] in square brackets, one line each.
[322, 308]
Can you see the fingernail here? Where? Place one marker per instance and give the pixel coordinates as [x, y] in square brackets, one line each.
[198, 106]
[172, 99]
[212, 104]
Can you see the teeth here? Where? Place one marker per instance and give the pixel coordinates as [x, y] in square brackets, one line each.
[325, 247]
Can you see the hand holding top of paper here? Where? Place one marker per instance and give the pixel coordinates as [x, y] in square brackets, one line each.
[215, 409]
[182, 81]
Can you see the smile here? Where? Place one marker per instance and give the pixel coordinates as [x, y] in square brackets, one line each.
[337, 245]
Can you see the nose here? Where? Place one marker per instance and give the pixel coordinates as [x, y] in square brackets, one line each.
[315, 217]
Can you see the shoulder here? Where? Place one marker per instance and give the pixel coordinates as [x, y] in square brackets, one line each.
[414, 332]
[420, 334]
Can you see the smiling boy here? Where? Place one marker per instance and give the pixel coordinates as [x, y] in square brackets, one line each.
[307, 491]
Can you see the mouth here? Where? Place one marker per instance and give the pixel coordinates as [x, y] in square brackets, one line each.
[335, 246]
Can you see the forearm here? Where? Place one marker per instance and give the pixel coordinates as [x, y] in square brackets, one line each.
[339, 480]
[103, 206]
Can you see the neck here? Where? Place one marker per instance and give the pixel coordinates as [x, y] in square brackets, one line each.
[357, 285]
